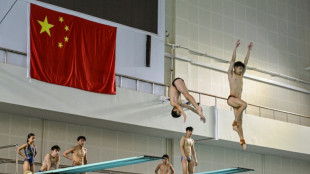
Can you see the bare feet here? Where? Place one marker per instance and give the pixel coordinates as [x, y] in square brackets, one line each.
[243, 144]
[235, 127]
[199, 110]
[203, 119]
[184, 117]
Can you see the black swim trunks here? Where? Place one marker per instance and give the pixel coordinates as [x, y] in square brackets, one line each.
[175, 80]
[230, 96]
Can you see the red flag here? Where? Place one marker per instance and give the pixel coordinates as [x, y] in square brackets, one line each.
[71, 51]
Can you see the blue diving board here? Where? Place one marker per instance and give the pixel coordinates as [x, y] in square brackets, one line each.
[228, 171]
[103, 165]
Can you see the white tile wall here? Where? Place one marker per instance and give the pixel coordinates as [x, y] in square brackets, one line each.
[215, 158]
[102, 144]
[279, 30]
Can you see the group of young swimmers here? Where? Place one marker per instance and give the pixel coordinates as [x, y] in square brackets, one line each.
[52, 158]
[79, 155]
[188, 154]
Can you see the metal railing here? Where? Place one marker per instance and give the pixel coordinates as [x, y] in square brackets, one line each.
[204, 54]
[200, 94]
[16, 158]
[166, 87]
[138, 80]
[247, 76]
[254, 105]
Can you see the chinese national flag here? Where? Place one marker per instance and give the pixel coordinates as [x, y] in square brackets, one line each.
[71, 51]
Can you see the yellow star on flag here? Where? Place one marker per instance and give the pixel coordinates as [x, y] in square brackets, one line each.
[61, 19]
[45, 26]
[66, 28]
[60, 44]
[66, 39]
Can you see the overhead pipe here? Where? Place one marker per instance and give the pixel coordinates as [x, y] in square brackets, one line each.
[199, 53]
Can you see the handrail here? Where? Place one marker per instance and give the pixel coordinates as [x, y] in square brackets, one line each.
[142, 80]
[13, 51]
[251, 77]
[7, 146]
[16, 157]
[248, 67]
[197, 92]
[215, 96]
[259, 106]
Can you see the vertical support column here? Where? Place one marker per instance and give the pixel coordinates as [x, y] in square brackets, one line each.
[5, 57]
[263, 164]
[16, 160]
[215, 120]
[120, 81]
[42, 139]
[137, 85]
[172, 152]
[153, 88]
[172, 63]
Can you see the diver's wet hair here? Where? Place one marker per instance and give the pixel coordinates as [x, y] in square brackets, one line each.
[190, 129]
[30, 135]
[55, 147]
[175, 114]
[81, 137]
[237, 64]
[165, 156]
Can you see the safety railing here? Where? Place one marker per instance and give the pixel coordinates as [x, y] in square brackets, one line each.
[165, 87]
[138, 80]
[259, 107]
[219, 59]
[16, 159]
[216, 98]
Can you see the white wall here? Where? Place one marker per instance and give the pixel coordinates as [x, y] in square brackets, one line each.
[212, 158]
[102, 144]
[137, 113]
[280, 32]
[105, 144]
[267, 133]
[129, 107]
[130, 43]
